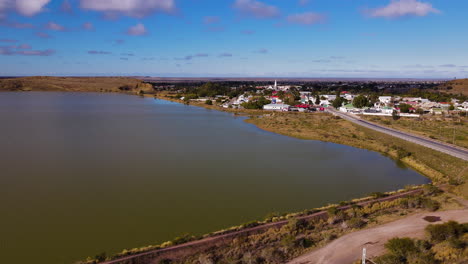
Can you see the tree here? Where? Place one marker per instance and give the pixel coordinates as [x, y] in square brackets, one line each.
[451, 107]
[317, 99]
[337, 102]
[395, 115]
[404, 108]
[209, 102]
[360, 101]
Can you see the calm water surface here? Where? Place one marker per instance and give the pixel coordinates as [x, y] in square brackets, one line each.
[85, 173]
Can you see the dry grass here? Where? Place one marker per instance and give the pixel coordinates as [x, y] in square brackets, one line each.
[458, 87]
[449, 129]
[71, 84]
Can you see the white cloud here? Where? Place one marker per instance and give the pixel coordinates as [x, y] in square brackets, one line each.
[308, 18]
[137, 30]
[399, 8]
[23, 7]
[256, 9]
[133, 8]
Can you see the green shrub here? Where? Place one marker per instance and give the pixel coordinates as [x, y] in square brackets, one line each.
[356, 222]
[430, 204]
[401, 247]
[431, 190]
[388, 259]
[377, 195]
[209, 102]
[449, 230]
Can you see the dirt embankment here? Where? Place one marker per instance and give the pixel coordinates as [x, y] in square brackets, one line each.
[349, 247]
[75, 84]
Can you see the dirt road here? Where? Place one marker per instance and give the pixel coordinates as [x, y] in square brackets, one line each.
[349, 247]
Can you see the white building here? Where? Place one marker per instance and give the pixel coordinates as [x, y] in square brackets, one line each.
[276, 107]
[385, 99]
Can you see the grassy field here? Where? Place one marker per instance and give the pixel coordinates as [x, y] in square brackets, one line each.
[450, 129]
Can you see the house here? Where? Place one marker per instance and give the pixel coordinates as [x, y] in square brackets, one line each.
[436, 111]
[305, 97]
[387, 110]
[276, 100]
[349, 108]
[276, 107]
[385, 99]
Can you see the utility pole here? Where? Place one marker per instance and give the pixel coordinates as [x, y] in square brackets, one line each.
[363, 256]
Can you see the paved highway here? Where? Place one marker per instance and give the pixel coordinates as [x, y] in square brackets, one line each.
[455, 151]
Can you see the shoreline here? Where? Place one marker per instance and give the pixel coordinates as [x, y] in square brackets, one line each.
[410, 162]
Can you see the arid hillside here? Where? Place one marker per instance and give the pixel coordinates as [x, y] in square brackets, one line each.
[75, 84]
[455, 87]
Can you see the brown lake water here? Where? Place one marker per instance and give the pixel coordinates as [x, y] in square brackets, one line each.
[85, 173]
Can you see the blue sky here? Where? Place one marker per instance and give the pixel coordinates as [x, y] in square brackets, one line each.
[264, 38]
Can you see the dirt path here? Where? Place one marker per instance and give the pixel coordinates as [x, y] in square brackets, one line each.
[349, 247]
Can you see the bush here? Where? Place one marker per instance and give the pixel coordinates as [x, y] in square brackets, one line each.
[431, 205]
[449, 230]
[401, 247]
[356, 222]
[430, 190]
[377, 195]
[388, 259]
[401, 153]
[209, 102]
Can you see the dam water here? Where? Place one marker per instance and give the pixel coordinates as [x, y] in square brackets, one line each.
[85, 173]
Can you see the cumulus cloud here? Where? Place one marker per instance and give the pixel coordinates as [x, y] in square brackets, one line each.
[211, 20]
[256, 9]
[308, 18]
[98, 52]
[23, 7]
[133, 8]
[400, 8]
[88, 26]
[54, 26]
[137, 30]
